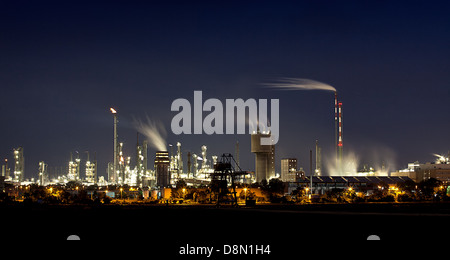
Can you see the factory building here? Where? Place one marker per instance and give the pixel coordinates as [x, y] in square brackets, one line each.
[162, 172]
[43, 173]
[5, 170]
[423, 171]
[264, 157]
[367, 184]
[141, 161]
[288, 169]
[91, 171]
[74, 169]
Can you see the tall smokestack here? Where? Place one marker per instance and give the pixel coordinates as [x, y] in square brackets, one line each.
[145, 150]
[195, 172]
[340, 140]
[189, 171]
[318, 159]
[336, 125]
[116, 154]
[179, 159]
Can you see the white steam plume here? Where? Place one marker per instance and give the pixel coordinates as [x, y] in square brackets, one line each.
[299, 84]
[348, 166]
[154, 131]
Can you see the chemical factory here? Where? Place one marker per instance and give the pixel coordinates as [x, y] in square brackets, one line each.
[169, 168]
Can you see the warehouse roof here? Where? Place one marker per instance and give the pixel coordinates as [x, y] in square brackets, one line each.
[356, 179]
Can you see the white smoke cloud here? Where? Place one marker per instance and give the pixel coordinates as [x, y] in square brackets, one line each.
[154, 131]
[348, 167]
[299, 84]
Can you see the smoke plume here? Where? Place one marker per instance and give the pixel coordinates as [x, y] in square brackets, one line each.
[299, 84]
[348, 166]
[154, 131]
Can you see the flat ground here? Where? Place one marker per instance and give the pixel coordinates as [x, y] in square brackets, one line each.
[281, 226]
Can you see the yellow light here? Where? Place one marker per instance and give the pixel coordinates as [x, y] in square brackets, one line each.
[113, 110]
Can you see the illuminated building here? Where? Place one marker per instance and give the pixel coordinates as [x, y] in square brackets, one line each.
[162, 173]
[43, 173]
[74, 169]
[264, 157]
[141, 161]
[176, 164]
[19, 164]
[5, 170]
[206, 169]
[195, 157]
[120, 169]
[439, 170]
[91, 171]
[110, 172]
[288, 169]
[366, 184]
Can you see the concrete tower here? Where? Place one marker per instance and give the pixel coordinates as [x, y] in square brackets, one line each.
[264, 157]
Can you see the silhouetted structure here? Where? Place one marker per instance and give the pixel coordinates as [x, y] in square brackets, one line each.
[224, 173]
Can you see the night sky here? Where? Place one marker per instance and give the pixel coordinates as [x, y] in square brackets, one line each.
[63, 64]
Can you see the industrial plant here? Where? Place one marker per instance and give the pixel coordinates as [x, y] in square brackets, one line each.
[202, 170]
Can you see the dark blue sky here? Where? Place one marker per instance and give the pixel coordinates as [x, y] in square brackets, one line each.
[62, 65]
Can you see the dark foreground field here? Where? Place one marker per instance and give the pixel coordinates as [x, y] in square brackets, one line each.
[168, 228]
